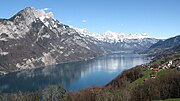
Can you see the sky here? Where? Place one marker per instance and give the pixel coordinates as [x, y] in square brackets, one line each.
[157, 18]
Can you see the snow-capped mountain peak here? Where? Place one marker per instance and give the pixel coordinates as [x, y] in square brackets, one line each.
[111, 37]
[23, 21]
[30, 14]
[41, 14]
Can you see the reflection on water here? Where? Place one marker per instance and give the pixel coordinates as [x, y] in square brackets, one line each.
[73, 76]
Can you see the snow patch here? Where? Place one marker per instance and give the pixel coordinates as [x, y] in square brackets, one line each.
[64, 27]
[3, 39]
[55, 26]
[28, 64]
[46, 36]
[56, 48]
[61, 52]
[46, 24]
[3, 53]
[66, 55]
[61, 47]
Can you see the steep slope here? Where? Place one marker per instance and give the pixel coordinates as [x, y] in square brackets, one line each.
[168, 46]
[168, 43]
[33, 38]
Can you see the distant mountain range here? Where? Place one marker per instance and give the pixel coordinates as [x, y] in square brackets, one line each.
[112, 37]
[33, 38]
[114, 41]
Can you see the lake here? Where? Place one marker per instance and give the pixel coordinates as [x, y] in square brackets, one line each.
[73, 76]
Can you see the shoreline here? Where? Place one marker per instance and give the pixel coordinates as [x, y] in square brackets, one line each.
[91, 58]
[87, 61]
[19, 70]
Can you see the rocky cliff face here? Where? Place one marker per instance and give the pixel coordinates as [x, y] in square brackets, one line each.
[33, 38]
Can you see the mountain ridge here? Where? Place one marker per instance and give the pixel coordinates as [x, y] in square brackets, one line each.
[112, 37]
[113, 41]
[164, 47]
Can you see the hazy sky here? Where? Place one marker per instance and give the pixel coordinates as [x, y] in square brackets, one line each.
[158, 18]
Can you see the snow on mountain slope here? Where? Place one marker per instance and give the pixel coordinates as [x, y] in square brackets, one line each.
[112, 37]
[114, 41]
[17, 26]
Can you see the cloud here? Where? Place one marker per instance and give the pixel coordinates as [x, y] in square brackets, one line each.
[84, 21]
[46, 9]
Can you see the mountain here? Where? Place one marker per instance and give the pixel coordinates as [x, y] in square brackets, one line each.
[113, 41]
[165, 47]
[33, 38]
[114, 37]
[168, 43]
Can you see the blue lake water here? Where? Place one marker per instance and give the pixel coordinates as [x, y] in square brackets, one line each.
[73, 76]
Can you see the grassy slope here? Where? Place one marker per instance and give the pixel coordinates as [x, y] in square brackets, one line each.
[163, 72]
[140, 80]
[146, 75]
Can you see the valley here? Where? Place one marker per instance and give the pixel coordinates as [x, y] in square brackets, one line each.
[44, 59]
